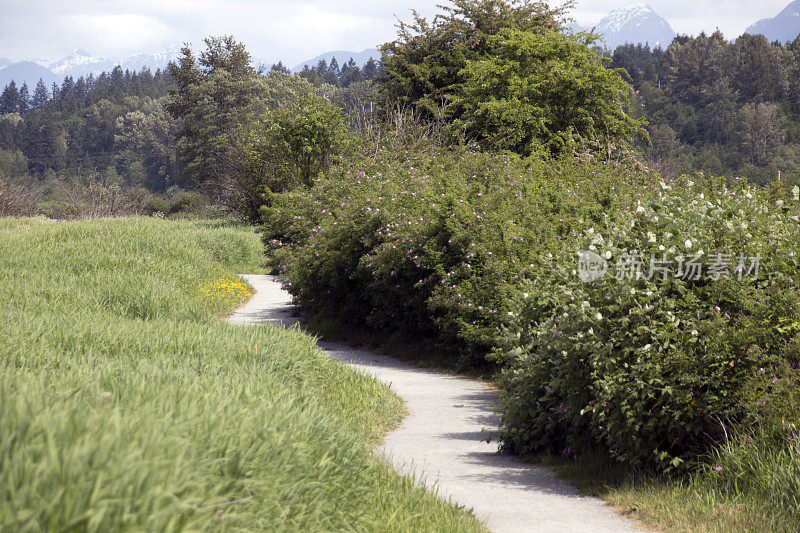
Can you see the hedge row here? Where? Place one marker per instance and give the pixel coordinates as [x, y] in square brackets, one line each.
[478, 252]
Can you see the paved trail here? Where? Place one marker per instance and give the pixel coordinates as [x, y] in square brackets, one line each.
[443, 440]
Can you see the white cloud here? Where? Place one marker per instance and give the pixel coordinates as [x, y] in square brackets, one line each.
[282, 29]
[116, 32]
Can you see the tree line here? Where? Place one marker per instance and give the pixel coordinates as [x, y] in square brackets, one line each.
[113, 124]
[498, 79]
[722, 107]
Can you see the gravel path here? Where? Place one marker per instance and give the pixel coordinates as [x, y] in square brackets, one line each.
[443, 440]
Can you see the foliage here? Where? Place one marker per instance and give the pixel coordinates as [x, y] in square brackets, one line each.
[731, 105]
[424, 63]
[537, 92]
[148, 137]
[127, 404]
[324, 73]
[430, 244]
[73, 130]
[287, 148]
[654, 370]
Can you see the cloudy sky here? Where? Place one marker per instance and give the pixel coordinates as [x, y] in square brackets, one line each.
[290, 30]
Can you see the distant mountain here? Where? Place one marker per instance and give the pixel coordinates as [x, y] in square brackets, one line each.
[26, 72]
[635, 24]
[156, 61]
[81, 63]
[783, 27]
[4, 62]
[341, 56]
[78, 63]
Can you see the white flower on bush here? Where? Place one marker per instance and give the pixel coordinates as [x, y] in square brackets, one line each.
[598, 316]
[688, 243]
[651, 237]
[607, 254]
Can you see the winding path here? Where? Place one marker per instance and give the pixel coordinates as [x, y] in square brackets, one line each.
[443, 440]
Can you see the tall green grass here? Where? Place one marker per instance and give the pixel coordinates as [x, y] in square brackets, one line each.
[126, 403]
[748, 484]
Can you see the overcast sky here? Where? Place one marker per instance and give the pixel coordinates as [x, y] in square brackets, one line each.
[282, 29]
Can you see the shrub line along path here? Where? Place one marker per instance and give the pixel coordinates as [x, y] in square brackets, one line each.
[443, 439]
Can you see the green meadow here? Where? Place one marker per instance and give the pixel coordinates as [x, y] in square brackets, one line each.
[126, 402]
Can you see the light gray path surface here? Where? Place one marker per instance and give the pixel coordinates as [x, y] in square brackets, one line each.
[443, 439]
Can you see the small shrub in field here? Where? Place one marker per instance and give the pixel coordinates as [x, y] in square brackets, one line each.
[654, 370]
[16, 200]
[432, 244]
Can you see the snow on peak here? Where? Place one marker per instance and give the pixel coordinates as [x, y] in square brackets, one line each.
[78, 61]
[619, 18]
[636, 23]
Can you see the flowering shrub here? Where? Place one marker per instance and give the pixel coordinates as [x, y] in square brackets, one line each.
[433, 243]
[654, 370]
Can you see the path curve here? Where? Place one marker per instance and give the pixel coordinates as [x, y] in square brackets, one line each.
[443, 439]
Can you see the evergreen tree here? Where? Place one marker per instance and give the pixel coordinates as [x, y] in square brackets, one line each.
[9, 100]
[279, 67]
[24, 101]
[214, 95]
[370, 70]
[40, 95]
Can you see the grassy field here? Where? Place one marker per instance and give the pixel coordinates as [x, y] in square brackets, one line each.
[126, 403]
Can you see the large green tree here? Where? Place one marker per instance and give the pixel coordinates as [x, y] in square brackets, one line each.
[423, 65]
[546, 92]
[216, 94]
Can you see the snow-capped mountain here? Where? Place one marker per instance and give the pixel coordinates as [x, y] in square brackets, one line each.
[156, 61]
[637, 23]
[342, 56]
[81, 63]
[783, 27]
[78, 63]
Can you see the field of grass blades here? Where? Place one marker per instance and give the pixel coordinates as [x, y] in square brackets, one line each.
[127, 403]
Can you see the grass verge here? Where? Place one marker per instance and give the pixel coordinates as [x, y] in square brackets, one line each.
[747, 486]
[128, 404]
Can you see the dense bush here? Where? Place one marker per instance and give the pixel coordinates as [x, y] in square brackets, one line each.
[286, 148]
[655, 370]
[546, 92]
[432, 244]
